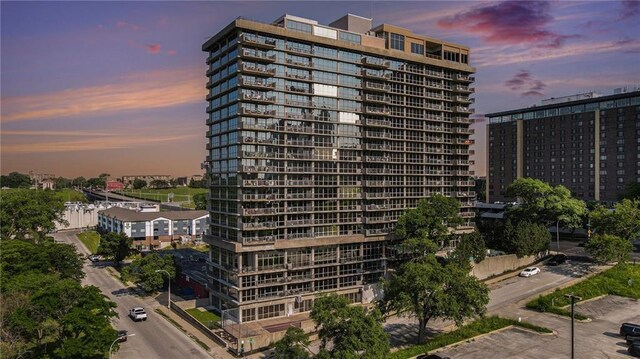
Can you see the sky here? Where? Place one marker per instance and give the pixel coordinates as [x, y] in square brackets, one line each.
[119, 87]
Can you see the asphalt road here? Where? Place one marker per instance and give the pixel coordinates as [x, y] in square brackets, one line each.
[154, 338]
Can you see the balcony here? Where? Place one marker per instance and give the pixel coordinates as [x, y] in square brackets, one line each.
[375, 63]
[295, 63]
[376, 98]
[257, 113]
[299, 77]
[463, 130]
[298, 50]
[378, 123]
[461, 120]
[377, 111]
[463, 99]
[261, 84]
[432, 106]
[298, 103]
[375, 74]
[374, 86]
[258, 240]
[245, 39]
[258, 56]
[461, 109]
[258, 98]
[461, 88]
[257, 70]
[298, 89]
[464, 78]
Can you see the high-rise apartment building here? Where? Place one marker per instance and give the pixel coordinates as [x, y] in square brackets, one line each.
[587, 143]
[319, 138]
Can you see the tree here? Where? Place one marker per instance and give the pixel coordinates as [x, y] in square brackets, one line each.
[61, 182]
[15, 180]
[353, 331]
[80, 182]
[139, 183]
[429, 224]
[608, 248]
[426, 290]
[115, 245]
[470, 247]
[293, 345]
[200, 200]
[143, 271]
[158, 183]
[623, 221]
[525, 238]
[97, 182]
[45, 311]
[632, 191]
[197, 183]
[30, 214]
[541, 203]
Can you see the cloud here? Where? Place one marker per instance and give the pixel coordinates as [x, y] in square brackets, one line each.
[153, 48]
[54, 133]
[121, 24]
[509, 22]
[137, 91]
[171, 52]
[630, 9]
[523, 80]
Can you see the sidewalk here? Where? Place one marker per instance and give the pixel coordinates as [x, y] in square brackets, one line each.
[215, 350]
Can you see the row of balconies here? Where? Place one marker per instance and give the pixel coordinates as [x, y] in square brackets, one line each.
[295, 223]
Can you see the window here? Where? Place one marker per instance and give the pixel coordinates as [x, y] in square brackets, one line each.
[396, 42]
[417, 48]
[299, 26]
[346, 36]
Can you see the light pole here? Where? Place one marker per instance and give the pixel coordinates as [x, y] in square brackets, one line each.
[573, 299]
[169, 291]
[111, 347]
[558, 234]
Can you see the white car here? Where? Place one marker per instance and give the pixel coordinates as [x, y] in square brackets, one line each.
[528, 272]
[137, 314]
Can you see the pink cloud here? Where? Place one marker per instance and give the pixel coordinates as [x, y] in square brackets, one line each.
[630, 9]
[171, 52]
[153, 48]
[121, 24]
[523, 80]
[509, 22]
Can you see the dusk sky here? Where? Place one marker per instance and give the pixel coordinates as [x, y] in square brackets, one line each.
[119, 87]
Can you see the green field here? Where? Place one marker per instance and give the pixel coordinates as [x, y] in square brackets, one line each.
[180, 194]
[613, 281]
[468, 331]
[90, 239]
[206, 317]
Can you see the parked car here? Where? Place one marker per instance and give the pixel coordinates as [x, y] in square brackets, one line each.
[137, 314]
[431, 356]
[557, 259]
[94, 258]
[629, 329]
[634, 350]
[122, 335]
[528, 272]
[632, 339]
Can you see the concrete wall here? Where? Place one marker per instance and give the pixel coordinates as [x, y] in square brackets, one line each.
[80, 216]
[491, 266]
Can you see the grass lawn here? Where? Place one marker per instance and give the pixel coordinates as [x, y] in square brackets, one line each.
[205, 317]
[70, 195]
[612, 281]
[90, 239]
[180, 194]
[480, 326]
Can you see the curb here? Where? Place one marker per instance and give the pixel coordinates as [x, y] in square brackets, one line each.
[177, 325]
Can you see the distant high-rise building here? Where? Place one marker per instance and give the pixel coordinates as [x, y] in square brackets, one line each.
[587, 143]
[319, 138]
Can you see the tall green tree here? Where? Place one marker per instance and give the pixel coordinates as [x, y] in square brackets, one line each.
[353, 331]
[143, 271]
[200, 200]
[525, 238]
[158, 183]
[61, 182]
[97, 182]
[80, 182]
[608, 248]
[424, 227]
[424, 289]
[30, 214]
[139, 183]
[115, 245]
[471, 247]
[623, 221]
[293, 345]
[631, 191]
[15, 180]
[539, 202]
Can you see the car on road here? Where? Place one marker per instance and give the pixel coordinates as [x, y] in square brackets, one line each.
[431, 356]
[632, 339]
[137, 314]
[122, 335]
[629, 329]
[634, 350]
[528, 272]
[557, 259]
[94, 258]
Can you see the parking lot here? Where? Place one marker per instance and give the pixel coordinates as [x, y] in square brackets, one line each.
[596, 339]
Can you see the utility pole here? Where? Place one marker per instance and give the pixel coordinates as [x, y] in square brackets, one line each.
[573, 299]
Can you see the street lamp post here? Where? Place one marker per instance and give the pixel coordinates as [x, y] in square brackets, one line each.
[111, 347]
[573, 299]
[169, 290]
[558, 234]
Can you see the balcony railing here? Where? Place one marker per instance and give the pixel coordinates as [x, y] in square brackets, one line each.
[373, 62]
[246, 39]
[374, 86]
[258, 55]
